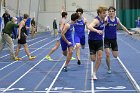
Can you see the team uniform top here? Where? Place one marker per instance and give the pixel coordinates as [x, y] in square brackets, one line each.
[79, 28]
[68, 36]
[22, 39]
[94, 35]
[79, 35]
[111, 29]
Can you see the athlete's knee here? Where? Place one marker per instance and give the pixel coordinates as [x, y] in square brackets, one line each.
[65, 53]
[107, 54]
[1, 48]
[78, 46]
[93, 60]
[71, 52]
[18, 46]
[99, 57]
[115, 56]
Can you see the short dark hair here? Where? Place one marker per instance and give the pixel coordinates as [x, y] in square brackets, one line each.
[74, 16]
[79, 10]
[25, 16]
[111, 7]
[63, 14]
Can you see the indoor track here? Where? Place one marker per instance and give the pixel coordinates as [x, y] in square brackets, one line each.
[43, 76]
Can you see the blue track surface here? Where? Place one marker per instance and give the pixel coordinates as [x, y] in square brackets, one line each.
[43, 76]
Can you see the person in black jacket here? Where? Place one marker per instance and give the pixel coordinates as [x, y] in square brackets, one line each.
[6, 17]
[33, 27]
[55, 32]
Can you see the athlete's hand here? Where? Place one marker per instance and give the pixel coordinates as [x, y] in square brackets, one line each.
[18, 37]
[27, 27]
[25, 35]
[69, 43]
[130, 33]
[99, 32]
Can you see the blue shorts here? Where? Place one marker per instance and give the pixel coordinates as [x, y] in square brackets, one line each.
[79, 39]
[64, 45]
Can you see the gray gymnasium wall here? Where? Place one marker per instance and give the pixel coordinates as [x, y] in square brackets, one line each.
[50, 9]
[49, 12]
[19, 7]
[11, 6]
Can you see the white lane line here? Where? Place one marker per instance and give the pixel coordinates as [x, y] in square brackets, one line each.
[22, 76]
[26, 55]
[86, 74]
[68, 91]
[48, 72]
[29, 46]
[27, 41]
[27, 71]
[92, 81]
[50, 87]
[8, 74]
[77, 91]
[22, 57]
[116, 91]
[134, 83]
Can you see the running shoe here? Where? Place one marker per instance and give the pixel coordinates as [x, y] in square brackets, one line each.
[79, 63]
[93, 76]
[109, 71]
[65, 69]
[72, 58]
[32, 57]
[17, 59]
[49, 58]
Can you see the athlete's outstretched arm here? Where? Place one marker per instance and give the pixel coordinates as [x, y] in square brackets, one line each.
[123, 27]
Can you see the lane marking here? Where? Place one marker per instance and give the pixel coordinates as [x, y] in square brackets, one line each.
[70, 90]
[26, 55]
[28, 46]
[4, 76]
[46, 75]
[50, 87]
[133, 48]
[92, 81]
[22, 76]
[86, 77]
[106, 88]
[134, 83]
[115, 90]
[27, 41]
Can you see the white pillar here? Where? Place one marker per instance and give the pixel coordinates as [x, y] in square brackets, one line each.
[114, 3]
[38, 14]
